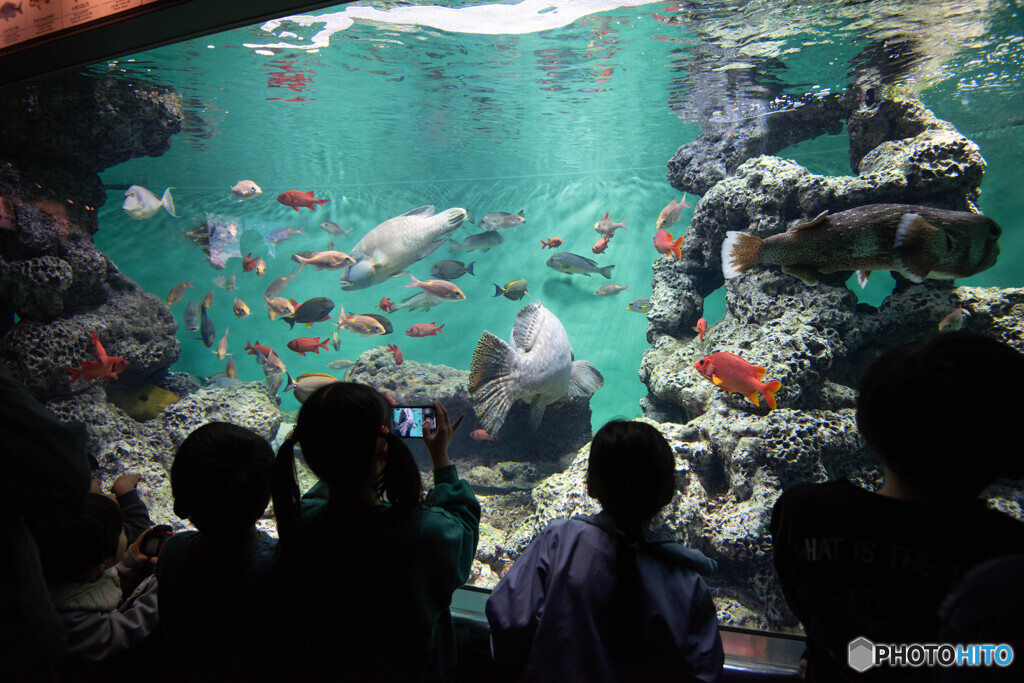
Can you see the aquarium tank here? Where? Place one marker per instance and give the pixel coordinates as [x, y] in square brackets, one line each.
[519, 210]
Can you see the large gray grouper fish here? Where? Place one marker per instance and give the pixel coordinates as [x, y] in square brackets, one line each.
[536, 366]
[916, 241]
[394, 245]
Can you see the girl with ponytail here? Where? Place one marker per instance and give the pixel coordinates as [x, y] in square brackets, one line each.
[368, 562]
[599, 599]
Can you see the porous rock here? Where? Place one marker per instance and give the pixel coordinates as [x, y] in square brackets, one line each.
[123, 446]
[134, 325]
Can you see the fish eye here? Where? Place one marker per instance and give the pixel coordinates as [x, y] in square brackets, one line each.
[995, 231]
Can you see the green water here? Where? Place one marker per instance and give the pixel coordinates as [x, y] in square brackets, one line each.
[566, 124]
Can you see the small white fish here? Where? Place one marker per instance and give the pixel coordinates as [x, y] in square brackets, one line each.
[341, 364]
[245, 190]
[140, 203]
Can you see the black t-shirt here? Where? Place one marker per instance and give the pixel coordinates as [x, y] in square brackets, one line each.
[854, 563]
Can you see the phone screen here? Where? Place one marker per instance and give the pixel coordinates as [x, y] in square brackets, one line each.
[409, 420]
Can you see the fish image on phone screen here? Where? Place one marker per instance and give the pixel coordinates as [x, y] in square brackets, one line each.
[411, 420]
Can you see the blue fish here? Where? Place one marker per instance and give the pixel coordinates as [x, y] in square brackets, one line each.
[206, 327]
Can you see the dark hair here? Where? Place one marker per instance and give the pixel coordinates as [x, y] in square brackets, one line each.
[338, 427]
[926, 406]
[72, 543]
[221, 478]
[631, 473]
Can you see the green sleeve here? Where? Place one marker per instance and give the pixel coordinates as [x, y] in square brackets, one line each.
[461, 511]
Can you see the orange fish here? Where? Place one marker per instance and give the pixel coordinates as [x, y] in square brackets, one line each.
[304, 345]
[297, 199]
[261, 267]
[481, 435]
[702, 327]
[601, 245]
[396, 352]
[104, 366]
[240, 308]
[424, 330]
[665, 245]
[386, 305]
[552, 243]
[730, 372]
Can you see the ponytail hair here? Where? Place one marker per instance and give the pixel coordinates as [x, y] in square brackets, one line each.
[632, 474]
[400, 483]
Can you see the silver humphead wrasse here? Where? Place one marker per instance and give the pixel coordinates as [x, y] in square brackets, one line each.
[536, 366]
[397, 243]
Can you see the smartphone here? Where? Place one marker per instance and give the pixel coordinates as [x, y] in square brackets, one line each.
[409, 420]
[155, 540]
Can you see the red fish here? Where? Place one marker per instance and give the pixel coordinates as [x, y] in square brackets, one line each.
[481, 435]
[257, 349]
[297, 200]
[665, 245]
[386, 305]
[396, 352]
[702, 327]
[249, 262]
[104, 366]
[552, 243]
[303, 345]
[601, 245]
[730, 372]
[424, 330]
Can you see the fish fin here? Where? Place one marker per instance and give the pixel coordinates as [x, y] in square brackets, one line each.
[716, 380]
[425, 210]
[527, 327]
[469, 268]
[753, 398]
[168, 202]
[807, 274]
[439, 328]
[606, 271]
[606, 214]
[917, 247]
[759, 372]
[498, 290]
[401, 273]
[536, 415]
[75, 373]
[491, 386]
[862, 278]
[769, 392]
[454, 246]
[740, 253]
[430, 249]
[585, 379]
[814, 222]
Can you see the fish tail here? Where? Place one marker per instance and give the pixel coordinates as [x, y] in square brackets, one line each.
[291, 321]
[469, 269]
[75, 373]
[498, 290]
[415, 282]
[677, 246]
[168, 202]
[322, 344]
[491, 386]
[768, 391]
[740, 253]
[321, 202]
[622, 224]
[454, 246]
[606, 271]
[440, 329]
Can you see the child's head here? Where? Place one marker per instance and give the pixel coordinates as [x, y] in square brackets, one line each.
[75, 546]
[631, 472]
[345, 430]
[220, 478]
[941, 410]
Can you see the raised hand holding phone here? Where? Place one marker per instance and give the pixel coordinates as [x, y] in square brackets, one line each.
[437, 437]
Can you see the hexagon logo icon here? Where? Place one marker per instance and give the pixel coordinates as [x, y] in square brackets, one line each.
[861, 654]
